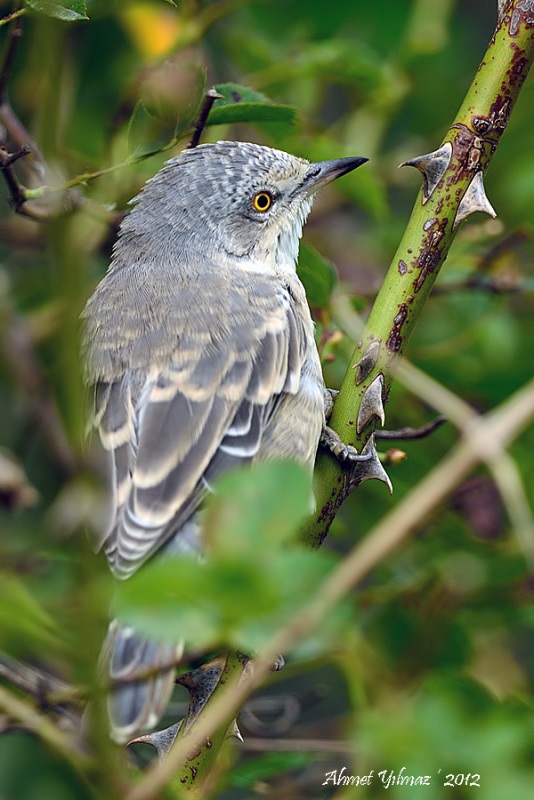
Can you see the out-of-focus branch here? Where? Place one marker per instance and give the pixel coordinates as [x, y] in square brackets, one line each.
[18, 352]
[26, 716]
[13, 16]
[501, 465]
[47, 690]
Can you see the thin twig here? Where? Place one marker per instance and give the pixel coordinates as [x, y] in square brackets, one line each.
[16, 190]
[211, 96]
[18, 351]
[14, 39]
[14, 15]
[30, 719]
[35, 682]
[412, 433]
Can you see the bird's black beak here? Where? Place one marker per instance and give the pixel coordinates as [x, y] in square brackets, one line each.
[323, 172]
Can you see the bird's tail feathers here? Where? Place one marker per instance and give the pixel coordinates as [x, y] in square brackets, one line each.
[134, 704]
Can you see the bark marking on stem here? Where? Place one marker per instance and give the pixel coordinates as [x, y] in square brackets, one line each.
[394, 341]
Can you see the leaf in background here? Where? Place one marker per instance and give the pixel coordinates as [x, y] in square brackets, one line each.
[295, 572]
[21, 616]
[247, 775]
[147, 133]
[236, 93]
[153, 28]
[199, 602]
[251, 581]
[242, 104]
[170, 100]
[318, 275]
[67, 10]
[254, 511]
[363, 187]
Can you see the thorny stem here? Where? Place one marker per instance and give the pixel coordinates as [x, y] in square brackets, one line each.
[196, 771]
[471, 141]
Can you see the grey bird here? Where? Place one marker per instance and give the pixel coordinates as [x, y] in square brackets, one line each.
[199, 346]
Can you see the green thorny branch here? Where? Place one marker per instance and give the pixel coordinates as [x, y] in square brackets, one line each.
[452, 190]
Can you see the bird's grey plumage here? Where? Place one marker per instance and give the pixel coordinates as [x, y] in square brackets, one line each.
[199, 345]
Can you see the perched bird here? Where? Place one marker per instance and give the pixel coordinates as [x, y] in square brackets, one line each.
[199, 347]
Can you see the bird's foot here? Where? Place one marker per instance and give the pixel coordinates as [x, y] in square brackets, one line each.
[333, 442]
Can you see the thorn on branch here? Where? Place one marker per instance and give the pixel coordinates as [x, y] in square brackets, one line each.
[432, 167]
[372, 404]
[474, 199]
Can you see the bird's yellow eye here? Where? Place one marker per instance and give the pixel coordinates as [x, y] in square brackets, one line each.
[262, 201]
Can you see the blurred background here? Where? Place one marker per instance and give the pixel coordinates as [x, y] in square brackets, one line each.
[433, 666]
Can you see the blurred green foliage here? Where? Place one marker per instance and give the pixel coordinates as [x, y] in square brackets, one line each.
[429, 665]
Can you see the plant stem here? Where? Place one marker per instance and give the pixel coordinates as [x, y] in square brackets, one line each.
[471, 142]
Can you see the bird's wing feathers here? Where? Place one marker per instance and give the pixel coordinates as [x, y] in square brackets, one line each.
[172, 427]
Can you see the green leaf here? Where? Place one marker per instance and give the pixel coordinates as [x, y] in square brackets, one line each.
[248, 523]
[295, 572]
[147, 133]
[252, 112]
[200, 602]
[160, 117]
[317, 274]
[21, 616]
[242, 104]
[253, 511]
[67, 10]
[239, 602]
[244, 776]
[251, 580]
[236, 93]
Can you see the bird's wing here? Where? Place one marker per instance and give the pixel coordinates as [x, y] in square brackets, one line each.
[174, 423]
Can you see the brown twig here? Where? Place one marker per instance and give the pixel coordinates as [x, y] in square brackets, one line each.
[16, 190]
[14, 39]
[47, 690]
[18, 351]
[412, 433]
[211, 96]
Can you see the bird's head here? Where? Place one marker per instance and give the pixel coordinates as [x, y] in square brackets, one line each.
[233, 200]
